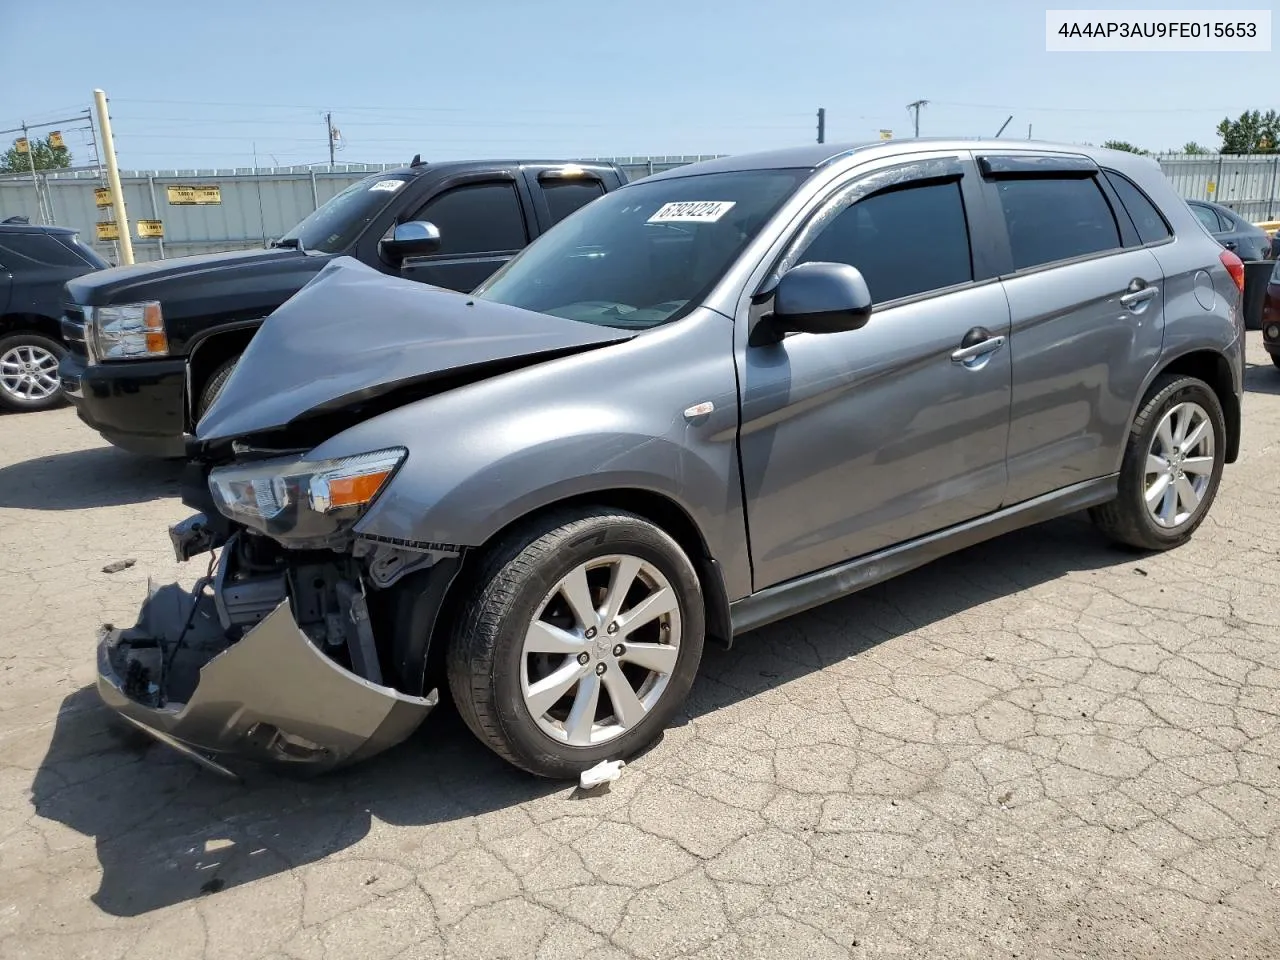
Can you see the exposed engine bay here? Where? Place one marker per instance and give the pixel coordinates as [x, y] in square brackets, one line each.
[305, 656]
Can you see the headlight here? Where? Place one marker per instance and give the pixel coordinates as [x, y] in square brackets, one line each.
[129, 330]
[310, 503]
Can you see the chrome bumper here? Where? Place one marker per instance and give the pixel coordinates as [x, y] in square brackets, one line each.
[271, 696]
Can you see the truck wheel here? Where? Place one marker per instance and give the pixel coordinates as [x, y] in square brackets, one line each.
[1171, 469]
[213, 386]
[29, 372]
[579, 641]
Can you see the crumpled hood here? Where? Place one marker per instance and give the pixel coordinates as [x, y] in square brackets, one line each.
[353, 334]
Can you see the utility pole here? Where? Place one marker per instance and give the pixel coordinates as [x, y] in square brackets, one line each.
[1028, 131]
[113, 178]
[328, 125]
[914, 107]
[31, 162]
[822, 124]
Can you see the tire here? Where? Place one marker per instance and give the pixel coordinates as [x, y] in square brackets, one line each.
[29, 372]
[520, 578]
[1128, 520]
[213, 386]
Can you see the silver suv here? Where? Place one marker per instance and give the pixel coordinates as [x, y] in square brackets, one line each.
[706, 401]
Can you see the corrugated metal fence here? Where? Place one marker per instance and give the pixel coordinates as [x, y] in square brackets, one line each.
[257, 205]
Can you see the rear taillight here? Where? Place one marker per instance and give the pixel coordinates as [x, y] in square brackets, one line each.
[1235, 267]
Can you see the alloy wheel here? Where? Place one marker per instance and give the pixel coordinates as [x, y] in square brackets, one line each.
[600, 650]
[29, 373]
[1180, 465]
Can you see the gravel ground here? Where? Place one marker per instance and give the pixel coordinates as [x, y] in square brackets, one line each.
[1041, 747]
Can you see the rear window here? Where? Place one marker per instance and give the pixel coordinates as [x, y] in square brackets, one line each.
[1052, 219]
[566, 196]
[1146, 218]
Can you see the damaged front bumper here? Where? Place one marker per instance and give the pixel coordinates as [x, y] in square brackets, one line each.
[270, 696]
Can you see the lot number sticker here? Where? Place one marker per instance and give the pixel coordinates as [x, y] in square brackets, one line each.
[692, 211]
[389, 185]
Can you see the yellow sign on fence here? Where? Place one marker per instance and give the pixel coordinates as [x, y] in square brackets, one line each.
[108, 230]
[189, 196]
[150, 228]
[102, 196]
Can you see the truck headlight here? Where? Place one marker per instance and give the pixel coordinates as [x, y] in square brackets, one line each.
[129, 330]
[308, 503]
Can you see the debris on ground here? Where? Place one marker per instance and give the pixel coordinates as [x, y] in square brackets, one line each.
[606, 771]
[116, 566]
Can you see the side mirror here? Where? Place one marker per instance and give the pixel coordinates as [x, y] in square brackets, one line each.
[821, 298]
[417, 238]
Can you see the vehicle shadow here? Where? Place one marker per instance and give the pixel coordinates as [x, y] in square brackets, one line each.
[1262, 378]
[167, 831]
[78, 479]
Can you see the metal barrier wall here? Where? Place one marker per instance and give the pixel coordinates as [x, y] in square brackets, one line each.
[257, 205]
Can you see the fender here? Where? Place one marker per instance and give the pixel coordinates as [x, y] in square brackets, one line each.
[484, 455]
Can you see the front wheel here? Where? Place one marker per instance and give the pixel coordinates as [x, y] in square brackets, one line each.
[1171, 469]
[213, 386]
[29, 372]
[579, 642]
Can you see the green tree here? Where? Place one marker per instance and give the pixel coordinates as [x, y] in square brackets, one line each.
[1192, 147]
[1253, 132]
[1124, 145]
[43, 154]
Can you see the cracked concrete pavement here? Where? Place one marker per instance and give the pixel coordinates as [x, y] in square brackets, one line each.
[1041, 747]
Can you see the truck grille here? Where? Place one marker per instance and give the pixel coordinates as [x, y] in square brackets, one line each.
[73, 330]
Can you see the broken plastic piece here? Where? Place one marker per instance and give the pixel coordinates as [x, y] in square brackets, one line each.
[606, 771]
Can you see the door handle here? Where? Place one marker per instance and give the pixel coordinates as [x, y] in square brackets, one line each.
[1137, 297]
[1229, 244]
[975, 350]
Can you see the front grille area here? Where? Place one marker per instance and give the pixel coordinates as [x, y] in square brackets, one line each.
[73, 330]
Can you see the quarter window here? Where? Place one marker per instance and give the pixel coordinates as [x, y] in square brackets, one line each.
[1051, 219]
[478, 218]
[1146, 218]
[904, 242]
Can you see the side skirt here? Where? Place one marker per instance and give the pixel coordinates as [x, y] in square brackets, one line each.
[814, 589]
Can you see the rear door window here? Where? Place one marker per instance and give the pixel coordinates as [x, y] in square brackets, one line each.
[904, 242]
[477, 218]
[1208, 217]
[1146, 218]
[37, 250]
[566, 196]
[1051, 219]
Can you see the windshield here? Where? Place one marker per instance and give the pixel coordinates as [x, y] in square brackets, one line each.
[645, 254]
[335, 224]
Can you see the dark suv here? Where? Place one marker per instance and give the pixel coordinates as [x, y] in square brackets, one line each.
[35, 262]
[153, 344]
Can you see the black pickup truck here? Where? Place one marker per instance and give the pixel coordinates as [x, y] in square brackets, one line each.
[152, 344]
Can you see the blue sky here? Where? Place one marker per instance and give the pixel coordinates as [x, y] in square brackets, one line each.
[200, 85]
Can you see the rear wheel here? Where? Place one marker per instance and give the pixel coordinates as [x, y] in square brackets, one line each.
[1171, 469]
[579, 642]
[213, 386]
[29, 372]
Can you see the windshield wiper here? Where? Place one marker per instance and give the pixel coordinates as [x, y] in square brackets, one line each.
[292, 243]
